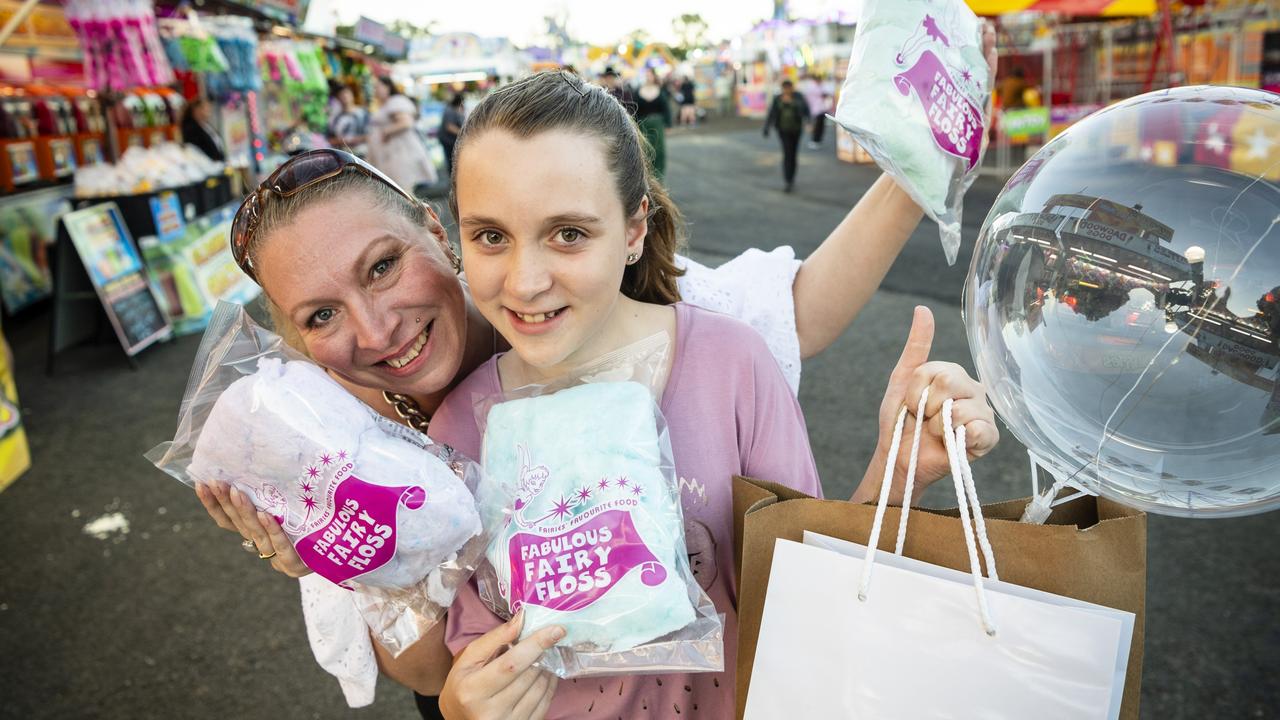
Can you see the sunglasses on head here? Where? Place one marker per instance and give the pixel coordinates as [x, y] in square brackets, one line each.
[296, 175]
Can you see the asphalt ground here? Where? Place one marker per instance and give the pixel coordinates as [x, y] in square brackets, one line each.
[171, 619]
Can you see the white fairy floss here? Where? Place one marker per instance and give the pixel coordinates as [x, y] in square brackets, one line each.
[368, 504]
[915, 99]
[344, 489]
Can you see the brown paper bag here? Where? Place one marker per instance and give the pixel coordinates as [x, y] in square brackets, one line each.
[1090, 549]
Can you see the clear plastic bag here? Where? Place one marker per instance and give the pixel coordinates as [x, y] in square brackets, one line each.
[916, 99]
[596, 542]
[369, 504]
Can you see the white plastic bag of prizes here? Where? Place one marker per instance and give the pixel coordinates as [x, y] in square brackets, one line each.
[596, 541]
[916, 100]
[369, 504]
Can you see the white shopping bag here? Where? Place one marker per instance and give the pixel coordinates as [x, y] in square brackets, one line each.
[849, 633]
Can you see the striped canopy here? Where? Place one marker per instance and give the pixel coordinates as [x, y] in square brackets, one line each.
[1087, 8]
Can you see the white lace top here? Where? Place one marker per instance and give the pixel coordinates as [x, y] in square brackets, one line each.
[754, 287]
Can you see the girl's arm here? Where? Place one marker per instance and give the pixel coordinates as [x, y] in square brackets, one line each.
[494, 678]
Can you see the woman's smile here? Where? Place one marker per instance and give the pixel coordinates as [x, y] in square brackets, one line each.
[403, 361]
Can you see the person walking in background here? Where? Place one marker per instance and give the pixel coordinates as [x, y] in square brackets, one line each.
[450, 126]
[349, 125]
[787, 114]
[614, 85]
[688, 101]
[811, 89]
[395, 147]
[198, 130]
[653, 115]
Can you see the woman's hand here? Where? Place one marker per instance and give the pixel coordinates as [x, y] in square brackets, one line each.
[231, 510]
[907, 382]
[493, 679]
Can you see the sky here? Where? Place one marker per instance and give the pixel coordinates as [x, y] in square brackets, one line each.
[595, 21]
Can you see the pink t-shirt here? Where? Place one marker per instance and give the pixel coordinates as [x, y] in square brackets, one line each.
[730, 412]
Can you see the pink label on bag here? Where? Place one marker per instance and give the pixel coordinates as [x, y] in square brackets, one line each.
[573, 569]
[956, 122]
[358, 534]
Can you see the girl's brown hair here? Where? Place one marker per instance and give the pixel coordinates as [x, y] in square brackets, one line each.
[559, 100]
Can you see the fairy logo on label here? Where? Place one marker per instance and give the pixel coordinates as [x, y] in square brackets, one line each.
[580, 547]
[356, 534]
[953, 117]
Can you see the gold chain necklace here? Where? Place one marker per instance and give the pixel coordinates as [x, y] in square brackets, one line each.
[408, 409]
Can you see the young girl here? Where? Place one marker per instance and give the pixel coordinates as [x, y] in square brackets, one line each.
[568, 245]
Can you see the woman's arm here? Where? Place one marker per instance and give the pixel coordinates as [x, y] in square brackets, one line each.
[910, 377]
[423, 666]
[835, 282]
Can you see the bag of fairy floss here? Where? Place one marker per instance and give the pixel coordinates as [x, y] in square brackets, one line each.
[596, 541]
[368, 504]
[916, 100]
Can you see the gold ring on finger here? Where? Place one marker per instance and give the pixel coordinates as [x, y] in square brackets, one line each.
[267, 557]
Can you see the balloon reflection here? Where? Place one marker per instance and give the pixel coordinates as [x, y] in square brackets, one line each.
[1124, 311]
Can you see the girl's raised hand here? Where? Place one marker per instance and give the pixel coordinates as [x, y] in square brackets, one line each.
[492, 679]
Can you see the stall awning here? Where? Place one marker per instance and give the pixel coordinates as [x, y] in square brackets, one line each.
[1079, 8]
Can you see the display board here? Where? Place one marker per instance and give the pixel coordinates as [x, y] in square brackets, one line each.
[27, 226]
[194, 271]
[115, 270]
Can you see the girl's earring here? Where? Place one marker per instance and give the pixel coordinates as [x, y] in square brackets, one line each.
[632, 258]
[454, 260]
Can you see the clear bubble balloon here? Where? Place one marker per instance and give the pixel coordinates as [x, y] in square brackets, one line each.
[1123, 306]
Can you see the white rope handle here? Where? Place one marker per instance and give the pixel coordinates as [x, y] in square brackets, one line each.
[956, 456]
[911, 473]
[980, 523]
[865, 584]
[966, 497]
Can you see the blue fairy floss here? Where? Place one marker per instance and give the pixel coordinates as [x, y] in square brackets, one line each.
[596, 542]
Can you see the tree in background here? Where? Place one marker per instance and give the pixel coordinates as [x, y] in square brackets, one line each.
[691, 30]
[409, 31]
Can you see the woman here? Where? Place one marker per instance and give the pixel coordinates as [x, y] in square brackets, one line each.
[394, 145]
[653, 114]
[198, 130]
[324, 245]
[349, 124]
